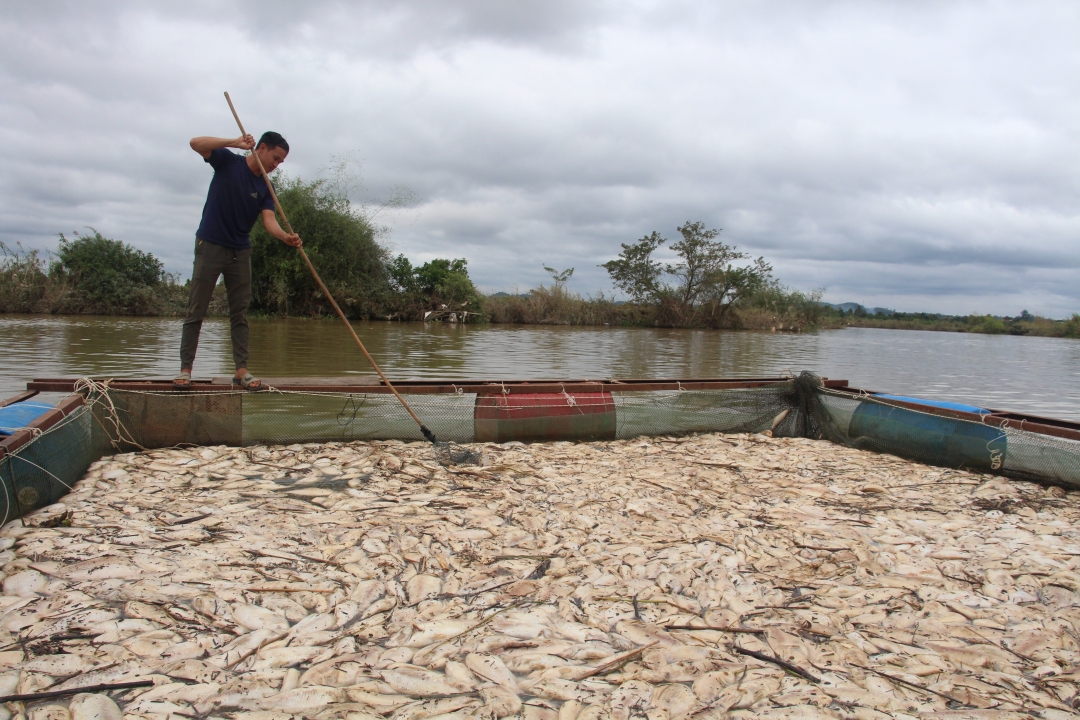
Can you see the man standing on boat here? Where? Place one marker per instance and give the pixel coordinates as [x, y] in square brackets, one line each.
[238, 196]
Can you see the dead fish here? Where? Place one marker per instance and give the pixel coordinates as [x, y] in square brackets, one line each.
[632, 696]
[502, 701]
[781, 546]
[256, 618]
[379, 606]
[286, 656]
[102, 568]
[94, 707]
[531, 662]
[779, 419]
[434, 708]
[458, 675]
[435, 631]
[145, 611]
[212, 607]
[380, 702]
[345, 611]
[366, 592]
[417, 682]
[27, 583]
[677, 699]
[422, 587]
[242, 647]
[570, 710]
[491, 667]
[553, 689]
[65, 664]
[641, 633]
[300, 700]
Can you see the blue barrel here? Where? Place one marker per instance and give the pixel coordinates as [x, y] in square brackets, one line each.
[932, 439]
[19, 415]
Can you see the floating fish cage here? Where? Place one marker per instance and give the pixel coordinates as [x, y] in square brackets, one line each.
[731, 568]
[46, 449]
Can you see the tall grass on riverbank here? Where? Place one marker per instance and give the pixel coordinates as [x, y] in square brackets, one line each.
[775, 308]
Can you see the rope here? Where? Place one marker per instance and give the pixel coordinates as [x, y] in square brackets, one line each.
[34, 431]
[7, 498]
[97, 393]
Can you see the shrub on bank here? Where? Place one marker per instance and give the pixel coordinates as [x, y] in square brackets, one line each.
[1071, 327]
[90, 275]
[100, 276]
[341, 244]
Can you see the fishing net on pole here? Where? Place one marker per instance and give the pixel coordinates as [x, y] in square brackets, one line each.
[449, 453]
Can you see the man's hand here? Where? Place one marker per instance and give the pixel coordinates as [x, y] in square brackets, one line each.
[247, 142]
[271, 224]
[206, 145]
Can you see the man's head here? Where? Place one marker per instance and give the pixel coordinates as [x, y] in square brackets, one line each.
[272, 149]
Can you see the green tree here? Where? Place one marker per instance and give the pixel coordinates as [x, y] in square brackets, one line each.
[559, 278]
[635, 272]
[437, 285]
[107, 276]
[402, 275]
[708, 283]
[340, 242]
[707, 275]
[446, 282]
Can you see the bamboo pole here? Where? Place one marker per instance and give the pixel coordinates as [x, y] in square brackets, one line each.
[285, 220]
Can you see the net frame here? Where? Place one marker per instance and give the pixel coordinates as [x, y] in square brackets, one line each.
[114, 420]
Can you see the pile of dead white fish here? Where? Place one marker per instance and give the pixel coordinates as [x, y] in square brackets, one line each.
[707, 577]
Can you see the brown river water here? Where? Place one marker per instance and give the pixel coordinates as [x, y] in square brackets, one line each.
[1023, 374]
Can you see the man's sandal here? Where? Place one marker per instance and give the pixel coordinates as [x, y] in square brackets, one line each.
[182, 381]
[249, 382]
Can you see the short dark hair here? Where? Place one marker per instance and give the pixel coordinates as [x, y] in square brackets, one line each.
[273, 140]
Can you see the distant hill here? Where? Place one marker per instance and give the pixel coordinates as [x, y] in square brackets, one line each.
[850, 307]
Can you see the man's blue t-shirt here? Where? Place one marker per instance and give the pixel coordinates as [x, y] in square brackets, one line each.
[236, 198]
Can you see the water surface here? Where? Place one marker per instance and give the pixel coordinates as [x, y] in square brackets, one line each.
[1024, 374]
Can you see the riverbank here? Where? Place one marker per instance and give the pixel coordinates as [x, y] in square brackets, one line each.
[95, 275]
[1025, 324]
[560, 582]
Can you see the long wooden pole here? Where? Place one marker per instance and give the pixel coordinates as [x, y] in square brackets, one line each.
[281, 211]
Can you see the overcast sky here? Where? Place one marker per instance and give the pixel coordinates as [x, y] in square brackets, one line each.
[908, 154]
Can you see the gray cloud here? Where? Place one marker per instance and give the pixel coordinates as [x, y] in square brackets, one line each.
[922, 156]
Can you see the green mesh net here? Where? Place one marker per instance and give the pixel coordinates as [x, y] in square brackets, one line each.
[40, 472]
[680, 412]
